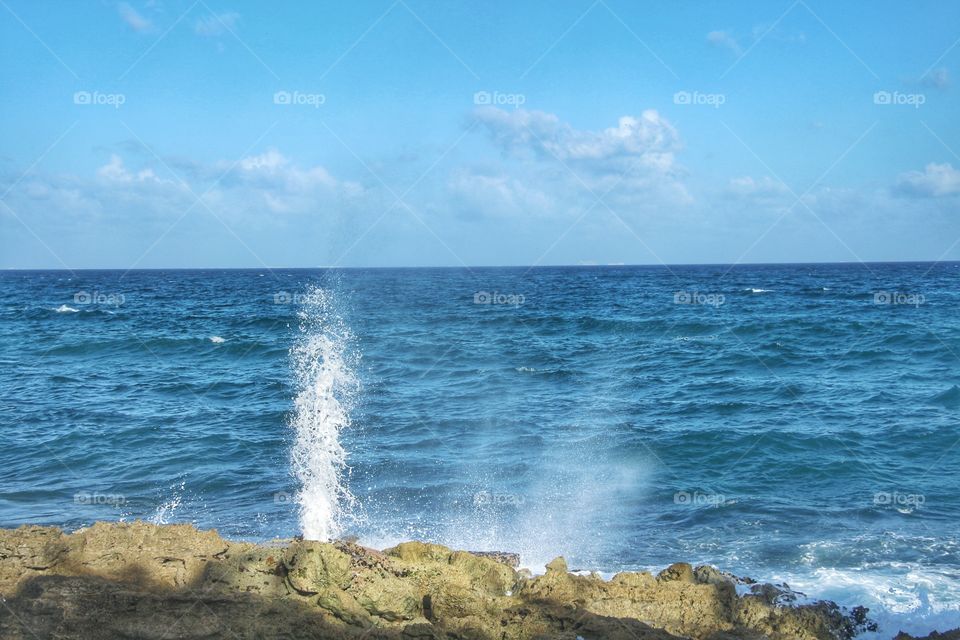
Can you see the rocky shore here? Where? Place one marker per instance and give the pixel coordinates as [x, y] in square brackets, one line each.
[138, 580]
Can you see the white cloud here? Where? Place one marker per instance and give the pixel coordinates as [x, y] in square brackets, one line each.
[272, 167]
[133, 19]
[936, 180]
[283, 186]
[478, 194]
[648, 140]
[748, 186]
[116, 171]
[631, 165]
[270, 161]
[724, 40]
[216, 25]
[268, 183]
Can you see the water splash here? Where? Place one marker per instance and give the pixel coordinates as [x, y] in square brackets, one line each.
[326, 389]
[165, 512]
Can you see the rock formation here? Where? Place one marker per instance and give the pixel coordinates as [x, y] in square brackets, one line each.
[137, 580]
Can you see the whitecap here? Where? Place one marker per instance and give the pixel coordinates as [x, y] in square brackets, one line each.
[905, 596]
[66, 309]
[217, 340]
[754, 290]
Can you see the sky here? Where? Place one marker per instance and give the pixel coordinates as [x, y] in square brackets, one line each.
[201, 133]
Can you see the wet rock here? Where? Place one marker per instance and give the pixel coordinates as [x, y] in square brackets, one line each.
[778, 595]
[705, 574]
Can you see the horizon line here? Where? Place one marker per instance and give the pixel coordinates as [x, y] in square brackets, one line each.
[505, 266]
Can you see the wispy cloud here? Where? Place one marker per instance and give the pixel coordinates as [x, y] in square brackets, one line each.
[216, 25]
[133, 18]
[938, 78]
[748, 186]
[256, 185]
[724, 40]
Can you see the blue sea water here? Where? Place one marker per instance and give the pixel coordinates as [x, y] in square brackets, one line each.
[794, 423]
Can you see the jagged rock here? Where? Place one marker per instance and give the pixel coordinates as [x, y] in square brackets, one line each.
[509, 559]
[705, 574]
[558, 564]
[419, 551]
[678, 572]
[776, 594]
[139, 580]
[312, 567]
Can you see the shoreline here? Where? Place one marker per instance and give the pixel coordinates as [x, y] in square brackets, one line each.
[121, 580]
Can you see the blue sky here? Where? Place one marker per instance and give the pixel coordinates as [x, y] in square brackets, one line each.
[161, 133]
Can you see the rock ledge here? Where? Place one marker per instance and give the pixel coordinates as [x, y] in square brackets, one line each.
[138, 580]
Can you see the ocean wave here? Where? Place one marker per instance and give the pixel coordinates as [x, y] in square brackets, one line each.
[949, 398]
[901, 596]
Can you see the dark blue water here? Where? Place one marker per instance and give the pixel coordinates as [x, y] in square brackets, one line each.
[785, 422]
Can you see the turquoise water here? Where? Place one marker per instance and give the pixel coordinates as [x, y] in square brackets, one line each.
[794, 423]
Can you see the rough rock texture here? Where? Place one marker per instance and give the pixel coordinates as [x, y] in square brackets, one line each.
[139, 580]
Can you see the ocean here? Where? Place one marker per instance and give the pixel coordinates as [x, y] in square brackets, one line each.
[791, 423]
